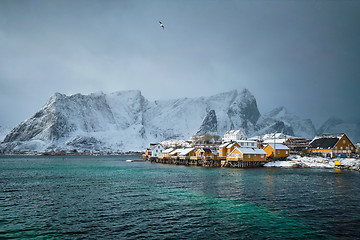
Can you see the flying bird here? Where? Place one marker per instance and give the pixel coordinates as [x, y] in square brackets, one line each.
[161, 25]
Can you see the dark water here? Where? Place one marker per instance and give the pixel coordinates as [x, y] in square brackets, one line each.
[108, 198]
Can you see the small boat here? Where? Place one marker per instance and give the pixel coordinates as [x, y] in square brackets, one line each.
[129, 160]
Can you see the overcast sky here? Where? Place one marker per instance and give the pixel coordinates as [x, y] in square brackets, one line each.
[304, 55]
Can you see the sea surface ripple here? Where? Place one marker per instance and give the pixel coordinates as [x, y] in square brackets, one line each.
[105, 197]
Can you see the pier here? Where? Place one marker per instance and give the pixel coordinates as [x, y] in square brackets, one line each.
[205, 162]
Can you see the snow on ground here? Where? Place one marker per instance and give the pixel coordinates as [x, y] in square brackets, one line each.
[175, 143]
[315, 162]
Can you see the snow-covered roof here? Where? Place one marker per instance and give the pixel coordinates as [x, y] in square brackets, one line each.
[186, 151]
[224, 145]
[336, 135]
[271, 136]
[168, 150]
[231, 145]
[176, 151]
[237, 131]
[156, 144]
[246, 141]
[250, 150]
[277, 141]
[326, 141]
[279, 146]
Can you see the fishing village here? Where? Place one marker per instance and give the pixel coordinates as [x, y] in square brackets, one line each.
[235, 150]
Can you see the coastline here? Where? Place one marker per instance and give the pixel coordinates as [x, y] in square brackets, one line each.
[296, 161]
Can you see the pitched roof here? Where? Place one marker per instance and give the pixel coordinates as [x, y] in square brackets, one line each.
[204, 149]
[155, 144]
[224, 145]
[326, 141]
[175, 152]
[279, 146]
[250, 150]
[232, 144]
[168, 150]
[277, 141]
[333, 135]
[186, 151]
[236, 131]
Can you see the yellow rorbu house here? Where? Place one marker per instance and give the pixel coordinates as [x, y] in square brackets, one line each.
[166, 153]
[187, 153]
[278, 151]
[223, 150]
[332, 145]
[226, 148]
[246, 157]
[175, 154]
[247, 154]
[204, 153]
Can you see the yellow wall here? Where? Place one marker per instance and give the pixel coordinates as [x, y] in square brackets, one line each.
[320, 150]
[205, 154]
[340, 147]
[279, 152]
[229, 150]
[222, 152]
[345, 146]
[238, 155]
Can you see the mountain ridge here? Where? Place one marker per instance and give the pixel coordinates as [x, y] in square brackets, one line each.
[126, 120]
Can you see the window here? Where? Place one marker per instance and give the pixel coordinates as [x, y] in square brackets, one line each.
[343, 141]
[248, 155]
[341, 148]
[262, 155]
[278, 151]
[286, 152]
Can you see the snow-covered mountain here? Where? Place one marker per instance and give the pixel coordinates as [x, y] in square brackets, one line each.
[124, 121]
[336, 125]
[280, 120]
[3, 132]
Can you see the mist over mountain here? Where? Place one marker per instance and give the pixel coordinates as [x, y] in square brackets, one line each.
[280, 120]
[126, 120]
[337, 125]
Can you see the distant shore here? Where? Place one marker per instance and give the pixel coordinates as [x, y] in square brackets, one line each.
[71, 153]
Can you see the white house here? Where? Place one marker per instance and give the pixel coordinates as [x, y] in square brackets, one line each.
[156, 149]
[247, 143]
[234, 135]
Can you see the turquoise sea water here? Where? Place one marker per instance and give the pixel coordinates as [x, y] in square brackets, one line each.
[105, 197]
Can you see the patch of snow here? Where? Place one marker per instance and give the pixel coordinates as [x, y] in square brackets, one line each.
[315, 162]
[179, 143]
